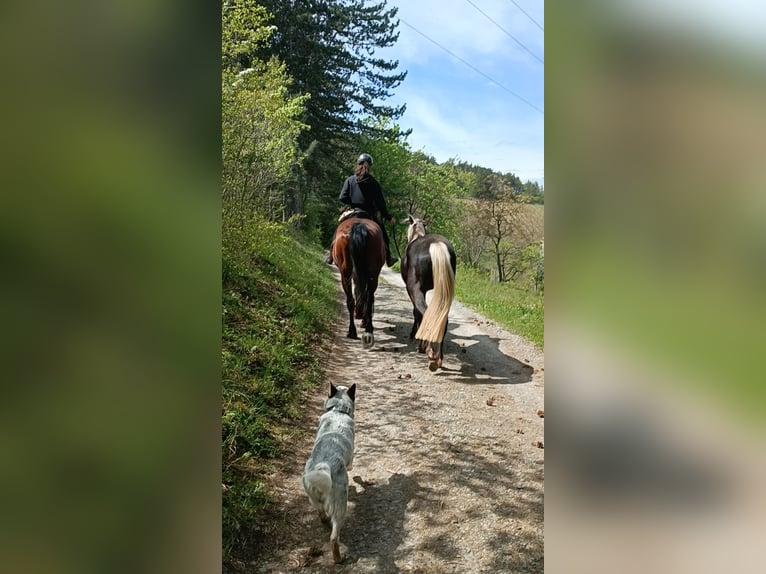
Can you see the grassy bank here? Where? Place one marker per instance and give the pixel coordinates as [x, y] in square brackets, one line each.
[516, 308]
[278, 298]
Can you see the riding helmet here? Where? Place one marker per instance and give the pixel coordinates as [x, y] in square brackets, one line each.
[365, 157]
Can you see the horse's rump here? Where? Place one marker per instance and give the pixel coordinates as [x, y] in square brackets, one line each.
[359, 252]
[350, 231]
[358, 237]
[435, 318]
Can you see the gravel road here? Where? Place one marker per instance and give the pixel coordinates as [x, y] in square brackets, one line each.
[448, 469]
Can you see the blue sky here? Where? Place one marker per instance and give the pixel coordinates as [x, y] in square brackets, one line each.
[457, 112]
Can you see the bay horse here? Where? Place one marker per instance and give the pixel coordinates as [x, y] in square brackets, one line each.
[429, 262]
[359, 252]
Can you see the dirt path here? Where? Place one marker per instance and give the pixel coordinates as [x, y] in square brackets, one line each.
[442, 481]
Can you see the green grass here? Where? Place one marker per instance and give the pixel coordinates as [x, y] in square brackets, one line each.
[278, 298]
[515, 307]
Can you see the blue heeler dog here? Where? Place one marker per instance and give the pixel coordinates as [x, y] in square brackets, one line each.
[325, 478]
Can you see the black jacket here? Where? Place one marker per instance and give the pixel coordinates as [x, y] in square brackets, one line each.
[365, 194]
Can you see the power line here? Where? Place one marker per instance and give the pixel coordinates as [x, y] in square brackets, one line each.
[538, 58]
[527, 15]
[474, 68]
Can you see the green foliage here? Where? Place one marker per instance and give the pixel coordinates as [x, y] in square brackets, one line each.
[415, 183]
[434, 195]
[328, 47]
[498, 230]
[533, 263]
[516, 309]
[533, 191]
[243, 32]
[485, 182]
[259, 123]
[277, 298]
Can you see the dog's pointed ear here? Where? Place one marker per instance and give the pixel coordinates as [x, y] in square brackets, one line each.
[409, 219]
[333, 390]
[351, 392]
[426, 222]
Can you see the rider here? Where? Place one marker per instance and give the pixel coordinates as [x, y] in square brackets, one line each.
[363, 191]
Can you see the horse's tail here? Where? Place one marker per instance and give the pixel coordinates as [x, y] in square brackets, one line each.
[358, 236]
[435, 318]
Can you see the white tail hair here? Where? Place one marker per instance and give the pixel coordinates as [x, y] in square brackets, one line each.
[435, 318]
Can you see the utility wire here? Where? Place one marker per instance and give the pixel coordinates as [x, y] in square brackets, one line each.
[538, 58]
[474, 68]
[527, 15]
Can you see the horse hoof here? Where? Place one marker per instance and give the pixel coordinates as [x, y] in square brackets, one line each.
[432, 365]
[352, 336]
[367, 340]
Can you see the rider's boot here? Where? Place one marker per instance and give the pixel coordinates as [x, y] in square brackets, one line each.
[328, 254]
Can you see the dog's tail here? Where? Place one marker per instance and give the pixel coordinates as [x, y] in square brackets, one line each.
[318, 483]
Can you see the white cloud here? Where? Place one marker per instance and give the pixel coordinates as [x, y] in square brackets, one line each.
[506, 145]
[454, 111]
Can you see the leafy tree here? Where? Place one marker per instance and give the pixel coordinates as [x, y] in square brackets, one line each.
[243, 32]
[259, 118]
[414, 183]
[328, 47]
[472, 233]
[534, 191]
[502, 210]
[533, 258]
[434, 193]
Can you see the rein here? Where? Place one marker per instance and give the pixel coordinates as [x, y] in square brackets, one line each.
[396, 243]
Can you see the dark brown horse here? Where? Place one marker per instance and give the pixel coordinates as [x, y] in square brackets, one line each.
[359, 252]
[429, 262]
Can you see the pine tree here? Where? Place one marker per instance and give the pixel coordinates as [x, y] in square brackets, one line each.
[328, 47]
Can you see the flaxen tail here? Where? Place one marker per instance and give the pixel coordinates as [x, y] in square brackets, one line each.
[435, 318]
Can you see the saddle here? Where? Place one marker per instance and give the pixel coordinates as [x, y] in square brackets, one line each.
[353, 212]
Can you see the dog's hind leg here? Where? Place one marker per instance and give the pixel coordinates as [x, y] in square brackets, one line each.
[338, 515]
[334, 541]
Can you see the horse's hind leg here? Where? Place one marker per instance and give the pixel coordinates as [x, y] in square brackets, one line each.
[368, 339]
[418, 308]
[369, 305]
[440, 358]
[351, 326]
[346, 282]
[436, 352]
